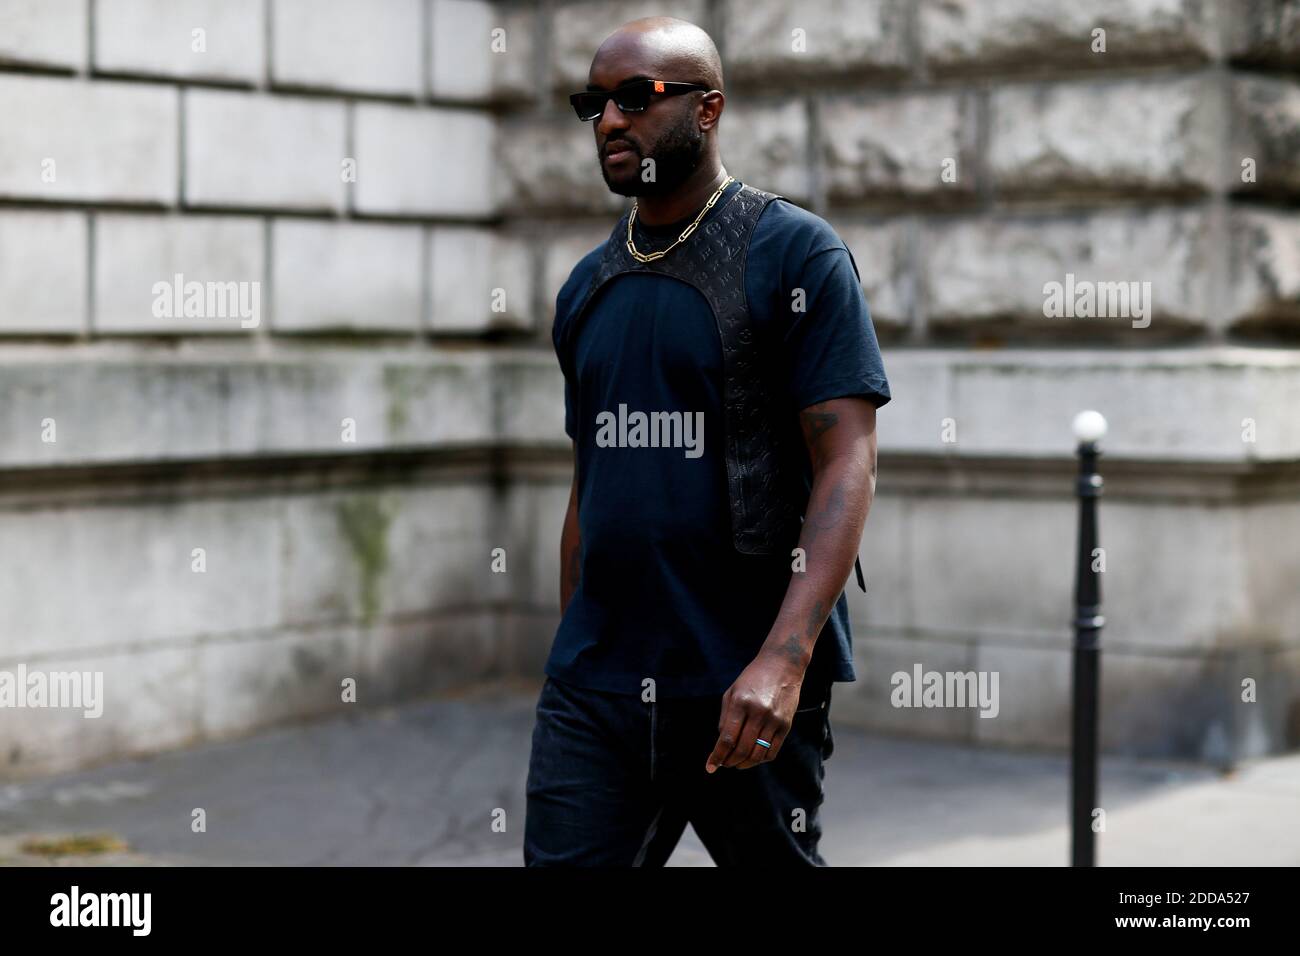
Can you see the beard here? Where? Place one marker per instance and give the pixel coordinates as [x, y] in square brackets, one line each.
[676, 155]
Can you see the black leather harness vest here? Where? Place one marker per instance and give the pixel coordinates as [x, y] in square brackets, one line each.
[766, 491]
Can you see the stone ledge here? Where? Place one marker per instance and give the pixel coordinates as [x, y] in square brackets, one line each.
[109, 406]
[1185, 404]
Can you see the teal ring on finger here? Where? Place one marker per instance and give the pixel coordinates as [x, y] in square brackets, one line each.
[762, 743]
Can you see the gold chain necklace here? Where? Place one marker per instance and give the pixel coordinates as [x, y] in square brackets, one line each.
[643, 257]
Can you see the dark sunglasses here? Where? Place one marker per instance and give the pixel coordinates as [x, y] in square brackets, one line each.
[632, 97]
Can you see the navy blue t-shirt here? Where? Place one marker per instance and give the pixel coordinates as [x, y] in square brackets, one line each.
[663, 593]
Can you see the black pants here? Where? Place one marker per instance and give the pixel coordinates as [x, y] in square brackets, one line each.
[613, 781]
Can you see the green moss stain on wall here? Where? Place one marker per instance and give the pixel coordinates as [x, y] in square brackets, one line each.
[365, 520]
[400, 385]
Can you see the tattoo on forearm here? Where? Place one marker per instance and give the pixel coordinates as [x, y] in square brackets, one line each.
[792, 649]
[829, 516]
[816, 618]
[824, 520]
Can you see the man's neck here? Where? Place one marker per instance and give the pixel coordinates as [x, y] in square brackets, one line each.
[685, 200]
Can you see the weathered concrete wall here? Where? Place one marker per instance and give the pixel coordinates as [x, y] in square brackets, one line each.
[406, 184]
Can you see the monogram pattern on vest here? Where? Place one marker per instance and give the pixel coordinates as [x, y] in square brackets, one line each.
[766, 497]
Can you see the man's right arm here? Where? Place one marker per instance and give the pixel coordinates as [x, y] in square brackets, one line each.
[570, 543]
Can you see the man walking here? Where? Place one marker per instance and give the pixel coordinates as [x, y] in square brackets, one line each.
[721, 383]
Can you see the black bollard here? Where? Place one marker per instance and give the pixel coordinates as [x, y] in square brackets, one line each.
[1088, 621]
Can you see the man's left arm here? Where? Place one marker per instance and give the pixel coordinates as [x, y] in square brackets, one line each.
[840, 435]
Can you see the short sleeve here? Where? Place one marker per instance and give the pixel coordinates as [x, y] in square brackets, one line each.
[830, 345]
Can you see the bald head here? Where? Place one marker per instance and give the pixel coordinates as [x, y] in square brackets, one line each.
[668, 148]
[668, 47]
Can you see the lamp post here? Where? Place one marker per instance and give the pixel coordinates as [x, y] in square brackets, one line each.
[1089, 427]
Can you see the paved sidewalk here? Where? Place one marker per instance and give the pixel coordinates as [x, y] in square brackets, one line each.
[418, 785]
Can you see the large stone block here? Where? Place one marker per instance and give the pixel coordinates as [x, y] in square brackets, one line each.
[1265, 32]
[1175, 575]
[149, 703]
[1162, 136]
[882, 251]
[245, 685]
[133, 573]
[578, 29]
[480, 280]
[87, 142]
[1033, 695]
[370, 554]
[337, 562]
[885, 148]
[134, 253]
[1000, 268]
[163, 38]
[256, 151]
[766, 145]
[533, 525]
[965, 569]
[887, 606]
[341, 45]
[1139, 691]
[44, 33]
[1271, 566]
[982, 35]
[469, 60]
[1265, 266]
[870, 700]
[413, 659]
[549, 166]
[1215, 724]
[452, 401]
[561, 253]
[530, 399]
[405, 168]
[1265, 155]
[770, 42]
[441, 541]
[42, 272]
[357, 276]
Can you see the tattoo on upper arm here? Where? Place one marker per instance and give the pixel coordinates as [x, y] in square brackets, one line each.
[817, 423]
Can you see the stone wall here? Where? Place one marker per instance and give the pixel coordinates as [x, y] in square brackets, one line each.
[405, 183]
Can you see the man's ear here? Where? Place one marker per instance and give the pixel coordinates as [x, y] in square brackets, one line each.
[711, 106]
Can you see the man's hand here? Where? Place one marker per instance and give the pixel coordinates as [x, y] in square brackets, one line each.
[759, 705]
